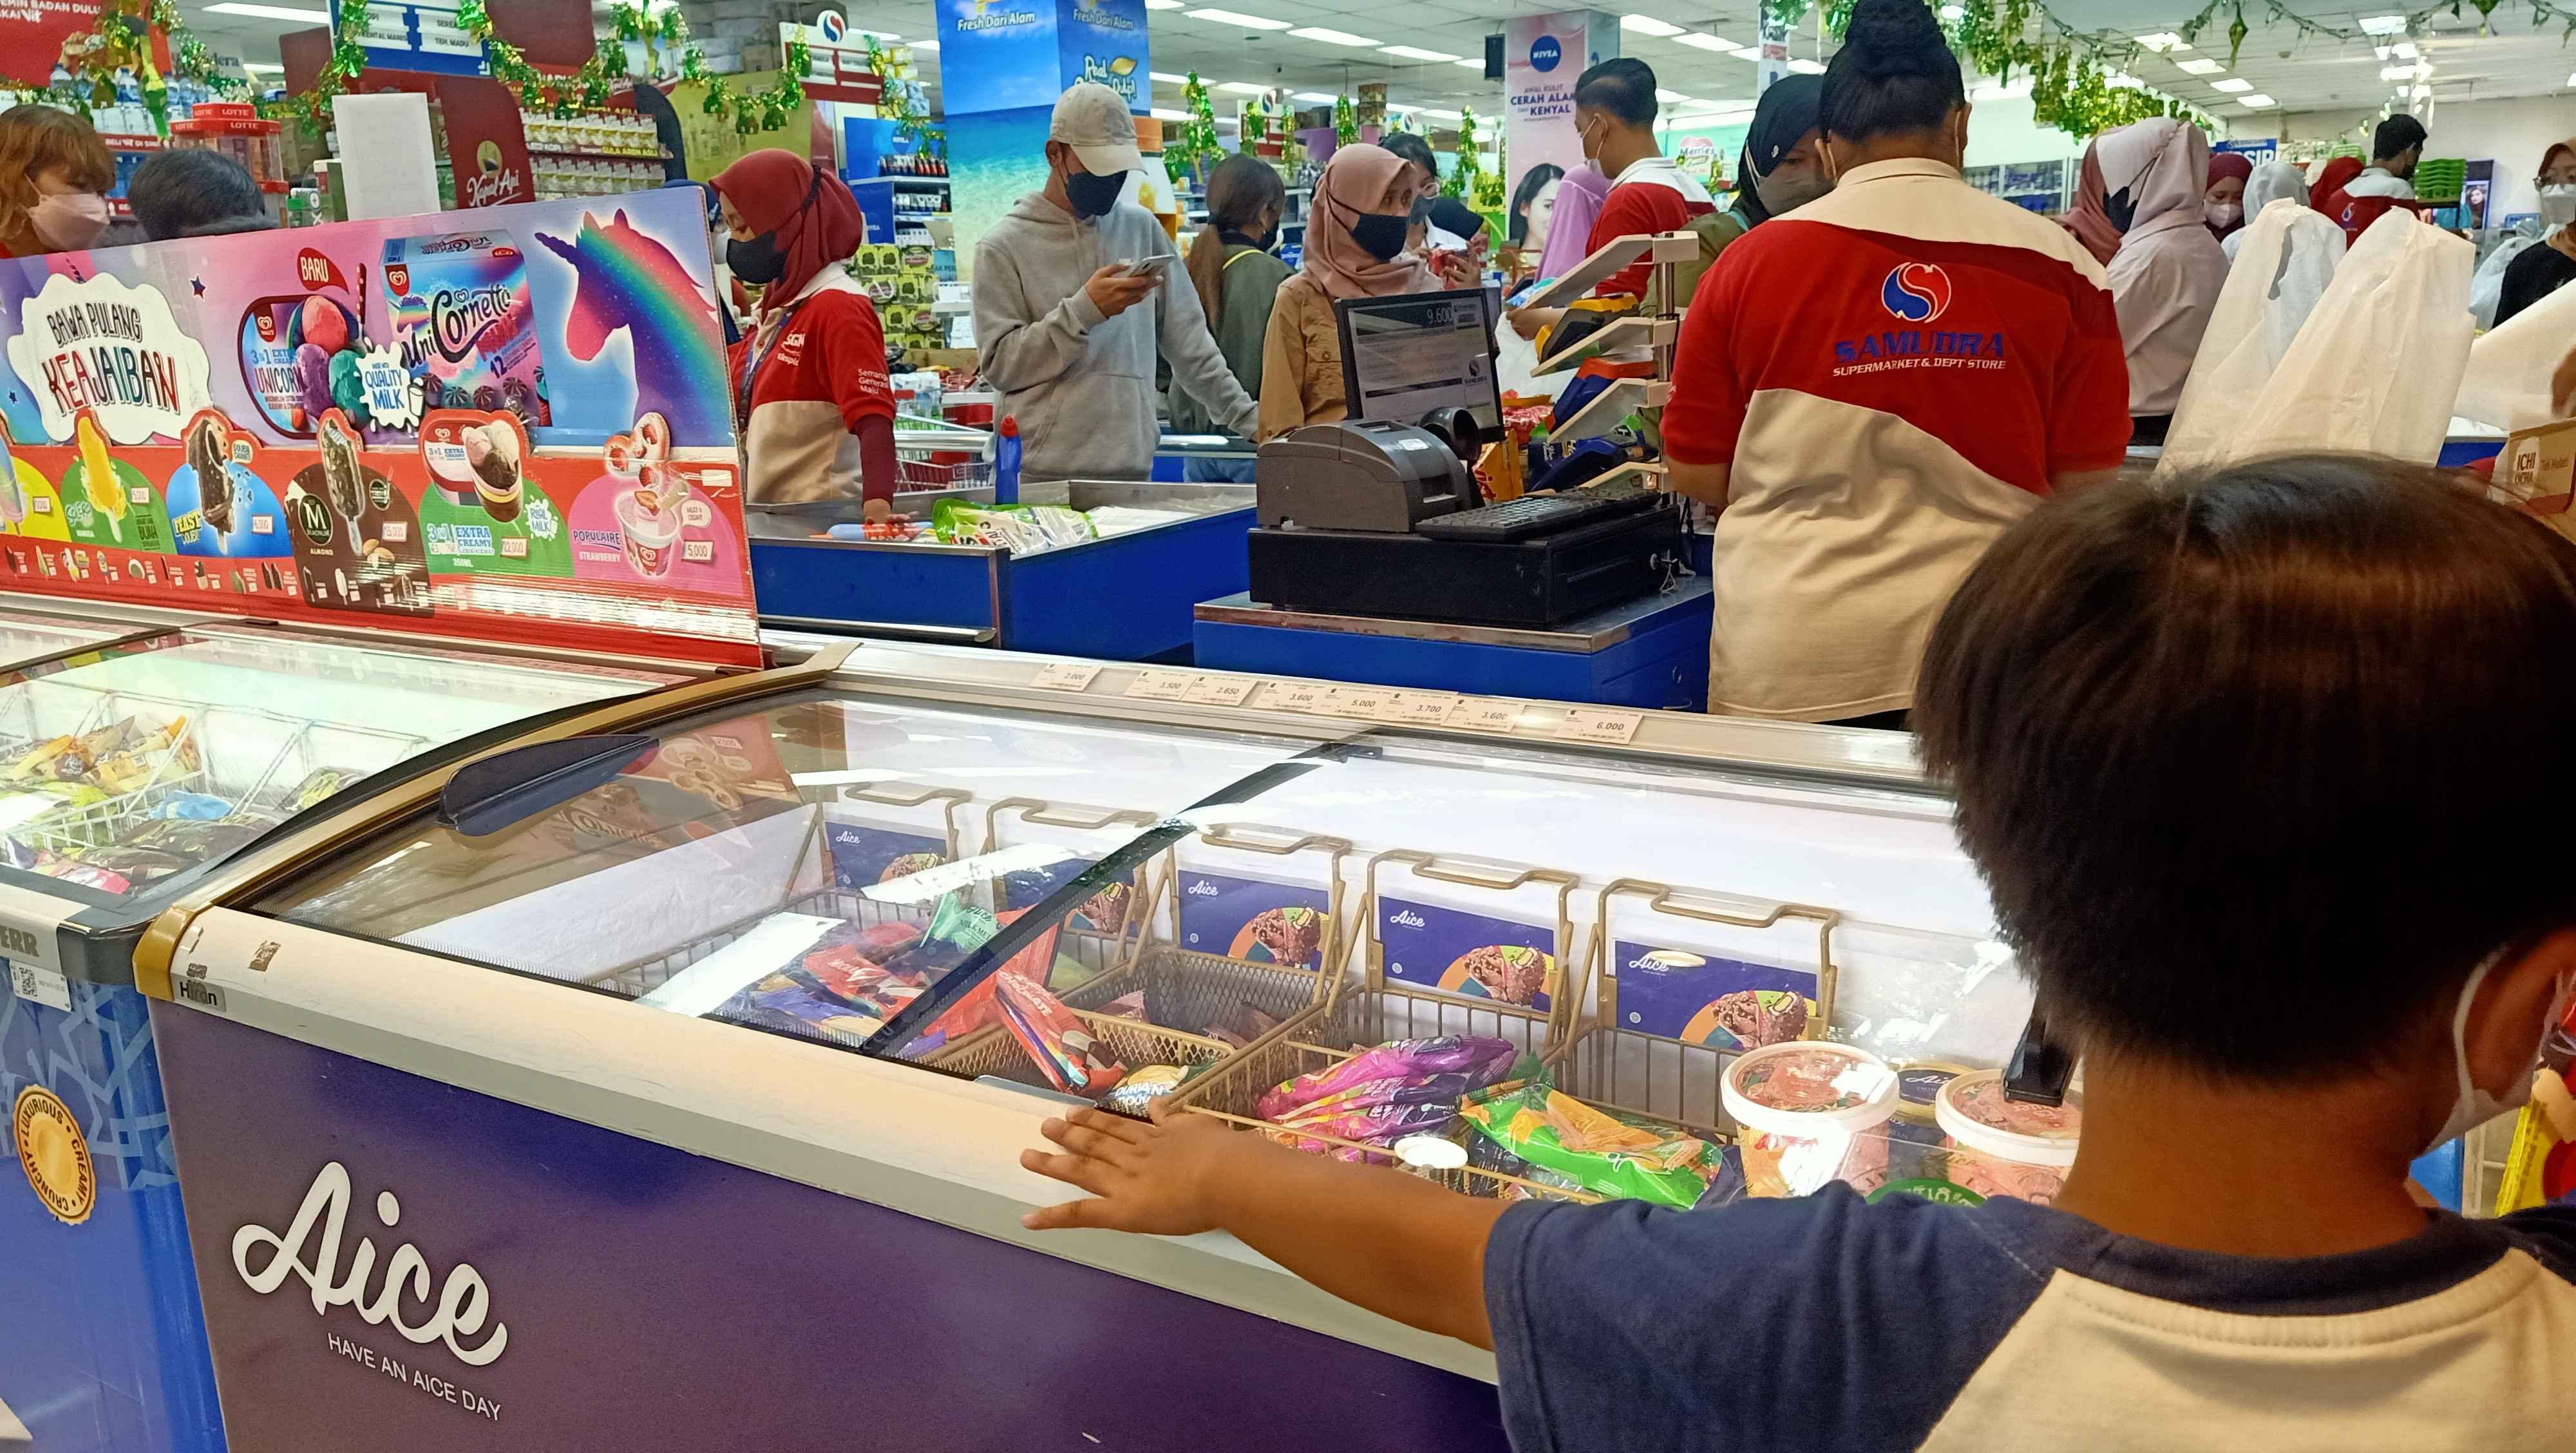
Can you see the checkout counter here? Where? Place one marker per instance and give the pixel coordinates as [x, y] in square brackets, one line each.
[1377, 559]
[1123, 597]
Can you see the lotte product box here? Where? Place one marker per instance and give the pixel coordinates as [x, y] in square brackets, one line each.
[462, 317]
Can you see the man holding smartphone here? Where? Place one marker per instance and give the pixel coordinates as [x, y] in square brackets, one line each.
[1074, 290]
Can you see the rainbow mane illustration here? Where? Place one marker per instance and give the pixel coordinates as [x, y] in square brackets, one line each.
[624, 279]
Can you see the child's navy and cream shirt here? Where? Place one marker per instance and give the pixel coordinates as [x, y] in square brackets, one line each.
[1827, 1323]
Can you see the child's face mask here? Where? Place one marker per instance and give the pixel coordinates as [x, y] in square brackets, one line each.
[2472, 1106]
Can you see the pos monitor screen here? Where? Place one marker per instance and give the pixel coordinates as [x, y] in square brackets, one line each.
[1404, 356]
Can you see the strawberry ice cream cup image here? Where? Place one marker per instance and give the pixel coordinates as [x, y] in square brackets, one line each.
[649, 530]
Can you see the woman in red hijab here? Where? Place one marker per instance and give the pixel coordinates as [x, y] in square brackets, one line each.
[811, 397]
[2223, 206]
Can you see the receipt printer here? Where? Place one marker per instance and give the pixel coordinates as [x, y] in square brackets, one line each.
[1360, 474]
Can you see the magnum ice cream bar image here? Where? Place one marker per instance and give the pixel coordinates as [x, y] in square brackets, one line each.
[477, 458]
[357, 539]
[210, 455]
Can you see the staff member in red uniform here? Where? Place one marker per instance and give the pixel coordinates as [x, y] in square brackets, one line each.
[1874, 387]
[809, 383]
[1614, 110]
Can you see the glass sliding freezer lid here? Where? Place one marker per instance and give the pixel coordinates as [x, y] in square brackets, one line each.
[27, 637]
[812, 866]
[120, 772]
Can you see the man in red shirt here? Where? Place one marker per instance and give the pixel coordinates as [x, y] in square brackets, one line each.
[1614, 110]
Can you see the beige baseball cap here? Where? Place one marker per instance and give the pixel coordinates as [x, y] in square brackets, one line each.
[1094, 121]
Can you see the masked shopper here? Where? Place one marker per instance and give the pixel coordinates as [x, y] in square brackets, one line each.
[54, 176]
[1354, 249]
[2544, 268]
[1237, 278]
[810, 387]
[2144, 185]
[1073, 291]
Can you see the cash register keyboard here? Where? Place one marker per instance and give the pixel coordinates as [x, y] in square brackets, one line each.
[1537, 514]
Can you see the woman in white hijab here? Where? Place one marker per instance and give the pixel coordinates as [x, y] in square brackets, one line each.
[2167, 271]
[2273, 181]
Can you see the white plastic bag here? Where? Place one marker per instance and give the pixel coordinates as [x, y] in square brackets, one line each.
[2287, 262]
[1516, 362]
[2378, 363]
[2486, 289]
[2510, 368]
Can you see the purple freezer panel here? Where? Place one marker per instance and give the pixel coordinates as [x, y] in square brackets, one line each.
[579, 1289]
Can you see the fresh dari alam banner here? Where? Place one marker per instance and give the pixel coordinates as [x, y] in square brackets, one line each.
[510, 424]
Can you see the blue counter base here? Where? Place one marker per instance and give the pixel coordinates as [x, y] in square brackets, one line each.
[1126, 598]
[1661, 665]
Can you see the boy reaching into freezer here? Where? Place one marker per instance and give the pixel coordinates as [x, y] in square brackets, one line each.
[2243, 758]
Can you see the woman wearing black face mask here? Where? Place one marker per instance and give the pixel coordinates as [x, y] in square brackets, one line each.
[1354, 249]
[1237, 280]
[811, 398]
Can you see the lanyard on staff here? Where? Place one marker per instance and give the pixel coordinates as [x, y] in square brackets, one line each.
[757, 356]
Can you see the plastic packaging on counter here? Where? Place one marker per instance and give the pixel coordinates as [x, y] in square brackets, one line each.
[1023, 529]
[2004, 1147]
[1810, 1111]
[1621, 1156]
[1380, 1096]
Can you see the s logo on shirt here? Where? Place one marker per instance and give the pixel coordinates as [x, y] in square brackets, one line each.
[1917, 292]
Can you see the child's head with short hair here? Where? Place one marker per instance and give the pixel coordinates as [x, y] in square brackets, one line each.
[2261, 765]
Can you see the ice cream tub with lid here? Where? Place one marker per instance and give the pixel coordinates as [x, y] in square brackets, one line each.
[1810, 1112]
[2005, 1147]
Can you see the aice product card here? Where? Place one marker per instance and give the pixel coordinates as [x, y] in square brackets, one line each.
[1254, 919]
[1105, 912]
[1472, 955]
[863, 855]
[1702, 998]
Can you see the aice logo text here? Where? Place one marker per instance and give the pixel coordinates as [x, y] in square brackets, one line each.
[1407, 918]
[311, 1249]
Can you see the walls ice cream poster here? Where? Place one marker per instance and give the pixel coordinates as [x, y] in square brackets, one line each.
[515, 430]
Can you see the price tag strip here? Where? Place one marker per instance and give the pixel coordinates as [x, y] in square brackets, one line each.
[1160, 685]
[1066, 676]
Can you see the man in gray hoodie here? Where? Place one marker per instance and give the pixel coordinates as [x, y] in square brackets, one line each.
[1070, 300]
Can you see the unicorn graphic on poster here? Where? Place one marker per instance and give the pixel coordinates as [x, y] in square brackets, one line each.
[624, 279]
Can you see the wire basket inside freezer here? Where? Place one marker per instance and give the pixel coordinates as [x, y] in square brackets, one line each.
[1164, 1007]
[1352, 1019]
[89, 786]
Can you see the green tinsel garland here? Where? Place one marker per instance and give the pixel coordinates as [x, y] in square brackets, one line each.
[587, 89]
[121, 39]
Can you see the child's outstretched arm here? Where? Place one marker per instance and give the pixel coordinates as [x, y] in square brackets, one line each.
[1399, 1246]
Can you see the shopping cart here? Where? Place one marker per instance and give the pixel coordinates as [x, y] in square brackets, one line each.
[935, 458]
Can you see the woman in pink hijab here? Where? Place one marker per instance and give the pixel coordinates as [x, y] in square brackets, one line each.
[2166, 270]
[1354, 249]
[1579, 195]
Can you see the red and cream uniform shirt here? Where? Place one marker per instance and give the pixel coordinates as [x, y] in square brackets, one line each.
[821, 368]
[1651, 195]
[1894, 374]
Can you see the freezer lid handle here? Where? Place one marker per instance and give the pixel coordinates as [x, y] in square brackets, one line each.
[507, 788]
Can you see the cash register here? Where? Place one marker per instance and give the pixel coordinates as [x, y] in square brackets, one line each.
[1378, 515]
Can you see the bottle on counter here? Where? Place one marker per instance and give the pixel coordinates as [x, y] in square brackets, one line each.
[1006, 461]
